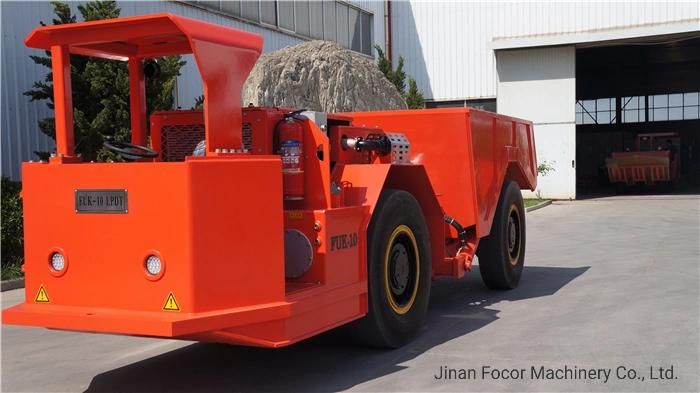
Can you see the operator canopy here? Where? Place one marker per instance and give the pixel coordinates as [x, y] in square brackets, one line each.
[224, 57]
[141, 36]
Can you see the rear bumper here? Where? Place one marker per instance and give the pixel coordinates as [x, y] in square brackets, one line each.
[140, 323]
[274, 324]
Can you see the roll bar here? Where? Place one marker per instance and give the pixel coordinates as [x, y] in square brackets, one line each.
[224, 57]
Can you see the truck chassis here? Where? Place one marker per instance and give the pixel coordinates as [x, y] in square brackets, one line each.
[261, 226]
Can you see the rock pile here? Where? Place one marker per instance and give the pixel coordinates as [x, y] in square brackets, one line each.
[320, 76]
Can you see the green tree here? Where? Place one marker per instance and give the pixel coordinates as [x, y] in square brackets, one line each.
[413, 97]
[100, 89]
[383, 63]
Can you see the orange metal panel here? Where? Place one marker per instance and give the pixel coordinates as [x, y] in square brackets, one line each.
[237, 231]
[414, 179]
[222, 90]
[62, 100]
[465, 154]
[137, 101]
[190, 213]
[363, 184]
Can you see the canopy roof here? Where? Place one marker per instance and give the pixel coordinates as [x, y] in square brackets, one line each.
[139, 36]
[224, 58]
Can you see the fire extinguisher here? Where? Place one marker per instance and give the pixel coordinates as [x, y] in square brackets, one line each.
[290, 135]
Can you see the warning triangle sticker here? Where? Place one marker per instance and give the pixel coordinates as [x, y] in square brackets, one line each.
[41, 296]
[171, 303]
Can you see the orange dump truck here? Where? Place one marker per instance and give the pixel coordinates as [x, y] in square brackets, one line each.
[653, 161]
[260, 226]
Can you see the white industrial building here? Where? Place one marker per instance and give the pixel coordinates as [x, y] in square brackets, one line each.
[590, 75]
[541, 61]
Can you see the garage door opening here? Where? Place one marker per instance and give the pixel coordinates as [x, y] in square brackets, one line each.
[641, 94]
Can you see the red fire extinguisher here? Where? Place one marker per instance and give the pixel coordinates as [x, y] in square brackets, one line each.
[290, 135]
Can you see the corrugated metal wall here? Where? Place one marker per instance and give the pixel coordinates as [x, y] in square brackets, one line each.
[20, 134]
[446, 44]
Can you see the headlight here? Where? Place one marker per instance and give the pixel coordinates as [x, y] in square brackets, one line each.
[58, 261]
[153, 265]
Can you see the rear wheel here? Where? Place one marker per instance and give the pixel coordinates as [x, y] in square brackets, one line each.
[398, 272]
[502, 253]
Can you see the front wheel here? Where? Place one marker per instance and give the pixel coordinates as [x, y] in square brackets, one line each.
[502, 253]
[398, 272]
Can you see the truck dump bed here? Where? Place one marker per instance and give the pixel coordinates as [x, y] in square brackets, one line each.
[467, 154]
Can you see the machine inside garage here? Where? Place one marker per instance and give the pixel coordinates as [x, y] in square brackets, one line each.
[628, 89]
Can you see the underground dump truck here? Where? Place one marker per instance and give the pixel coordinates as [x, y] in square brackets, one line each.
[260, 226]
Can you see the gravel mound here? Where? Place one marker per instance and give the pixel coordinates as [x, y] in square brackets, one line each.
[320, 76]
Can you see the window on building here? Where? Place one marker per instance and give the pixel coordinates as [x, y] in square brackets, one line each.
[658, 107]
[216, 5]
[231, 7]
[337, 21]
[691, 106]
[662, 107]
[301, 12]
[445, 104]
[329, 20]
[250, 10]
[597, 111]
[316, 19]
[366, 33]
[286, 15]
[355, 32]
[668, 107]
[633, 109]
[268, 12]
[485, 104]
[342, 28]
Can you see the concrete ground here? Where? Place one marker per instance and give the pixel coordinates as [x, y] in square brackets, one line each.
[608, 283]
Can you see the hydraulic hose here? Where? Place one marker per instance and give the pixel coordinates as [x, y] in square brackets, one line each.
[461, 232]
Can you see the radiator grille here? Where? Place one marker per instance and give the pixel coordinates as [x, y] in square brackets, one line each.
[180, 140]
[247, 136]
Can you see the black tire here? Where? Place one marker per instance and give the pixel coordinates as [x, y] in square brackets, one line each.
[502, 253]
[398, 272]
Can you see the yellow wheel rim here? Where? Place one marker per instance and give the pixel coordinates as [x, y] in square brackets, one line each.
[514, 235]
[401, 269]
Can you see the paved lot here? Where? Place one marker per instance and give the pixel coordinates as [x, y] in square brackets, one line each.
[609, 282]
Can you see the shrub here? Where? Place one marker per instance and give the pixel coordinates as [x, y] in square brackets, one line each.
[413, 97]
[12, 229]
[545, 168]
